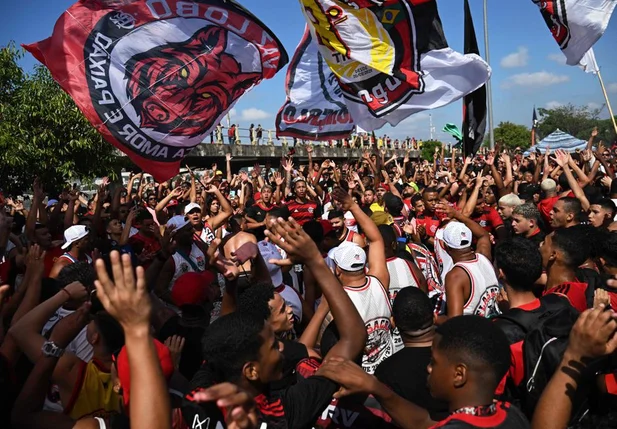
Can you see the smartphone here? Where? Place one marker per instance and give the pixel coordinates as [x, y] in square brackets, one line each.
[232, 194]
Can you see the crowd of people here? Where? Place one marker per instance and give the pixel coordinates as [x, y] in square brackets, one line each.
[461, 292]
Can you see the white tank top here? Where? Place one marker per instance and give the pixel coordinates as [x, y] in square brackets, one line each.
[373, 304]
[444, 260]
[484, 287]
[401, 276]
[182, 265]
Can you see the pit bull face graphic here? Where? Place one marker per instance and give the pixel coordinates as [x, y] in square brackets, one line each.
[555, 16]
[182, 88]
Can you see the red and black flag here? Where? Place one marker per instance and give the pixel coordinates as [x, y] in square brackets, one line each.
[534, 127]
[474, 104]
[156, 77]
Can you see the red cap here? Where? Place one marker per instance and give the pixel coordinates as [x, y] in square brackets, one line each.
[172, 203]
[124, 372]
[384, 186]
[326, 225]
[191, 288]
[257, 196]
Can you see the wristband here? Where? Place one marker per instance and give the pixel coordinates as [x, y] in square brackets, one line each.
[67, 293]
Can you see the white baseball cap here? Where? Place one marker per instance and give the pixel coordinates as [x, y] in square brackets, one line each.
[269, 251]
[456, 235]
[191, 207]
[177, 222]
[73, 234]
[349, 256]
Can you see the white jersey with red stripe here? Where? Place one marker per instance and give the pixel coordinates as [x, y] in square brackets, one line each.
[484, 287]
[350, 222]
[373, 304]
[401, 276]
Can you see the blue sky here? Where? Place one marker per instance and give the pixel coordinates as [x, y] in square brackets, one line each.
[522, 50]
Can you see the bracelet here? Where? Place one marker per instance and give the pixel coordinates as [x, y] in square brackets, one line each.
[67, 293]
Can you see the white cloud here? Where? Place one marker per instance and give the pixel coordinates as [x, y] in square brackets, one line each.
[553, 104]
[558, 58]
[516, 59]
[534, 80]
[232, 112]
[254, 114]
[611, 87]
[594, 106]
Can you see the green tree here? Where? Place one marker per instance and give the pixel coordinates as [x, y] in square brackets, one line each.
[42, 132]
[428, 148]
[513, 135]
[577, 121]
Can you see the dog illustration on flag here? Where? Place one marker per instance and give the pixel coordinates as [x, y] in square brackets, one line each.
[172, 87]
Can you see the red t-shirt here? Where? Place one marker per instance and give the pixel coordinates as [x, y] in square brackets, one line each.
[574, 291]
[546, 205]
[51, 256]
[430, 222]
[302, 212]
[489, 219]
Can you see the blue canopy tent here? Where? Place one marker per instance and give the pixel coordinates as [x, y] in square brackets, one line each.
[558, 140]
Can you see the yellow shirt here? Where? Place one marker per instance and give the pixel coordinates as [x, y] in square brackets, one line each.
[375, 207]
[93, 394]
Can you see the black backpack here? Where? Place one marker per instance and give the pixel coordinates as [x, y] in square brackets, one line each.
[545, 334]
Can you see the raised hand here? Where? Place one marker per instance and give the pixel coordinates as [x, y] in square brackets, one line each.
[175, 344]
[240, 406]
[125, 297]
[227, 157]
[593, 334]
[309, 149]
[290, 237]
[561, 158]
[76, 291]
[594, 132]
[343, 198]
[177, 193]
[278, 179]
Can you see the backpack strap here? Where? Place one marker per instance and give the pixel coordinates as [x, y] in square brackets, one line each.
[523, 319]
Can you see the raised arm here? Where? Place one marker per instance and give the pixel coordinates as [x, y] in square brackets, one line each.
[126, 298]
[301, 248]
[225, 212]
[483, 240]
[376, 251]
[563, 158]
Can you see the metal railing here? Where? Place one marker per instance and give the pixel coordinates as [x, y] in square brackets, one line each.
[246, 136]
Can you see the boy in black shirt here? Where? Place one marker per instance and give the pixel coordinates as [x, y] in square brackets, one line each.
[405, 372]
[469, 357]
[244, 350]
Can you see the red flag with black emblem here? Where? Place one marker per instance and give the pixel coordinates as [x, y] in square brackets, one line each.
[156, 77]
[474, 104]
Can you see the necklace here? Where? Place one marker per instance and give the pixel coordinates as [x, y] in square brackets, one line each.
[480, 411]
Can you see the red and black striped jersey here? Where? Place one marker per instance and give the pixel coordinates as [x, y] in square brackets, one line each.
[303, 212]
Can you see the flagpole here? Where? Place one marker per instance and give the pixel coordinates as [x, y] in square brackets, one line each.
[608, 103]
[489, 92]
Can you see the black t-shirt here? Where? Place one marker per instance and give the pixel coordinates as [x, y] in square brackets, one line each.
[258, 213]
[405, 373]
[293, 353]
[296, 407]
[537, 238]
[506, 416]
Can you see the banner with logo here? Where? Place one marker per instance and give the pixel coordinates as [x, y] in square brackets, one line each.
[156, 77]
[390, 58]
[315, 108]
[576, 25]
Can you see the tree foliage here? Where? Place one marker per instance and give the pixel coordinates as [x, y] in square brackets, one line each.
[42, 132]
[577, 121]
[428, 148]
[513, 135]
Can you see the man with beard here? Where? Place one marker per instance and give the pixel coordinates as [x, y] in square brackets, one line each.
[301, 208]
[205, 231]
[337, 219]
[256, 214]
[378, 204]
